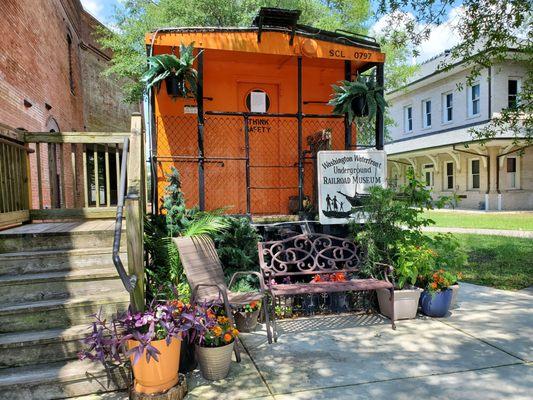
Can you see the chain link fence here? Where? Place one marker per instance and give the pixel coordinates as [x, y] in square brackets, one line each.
[249, 162]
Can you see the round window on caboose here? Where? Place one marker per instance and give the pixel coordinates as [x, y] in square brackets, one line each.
[257, 100]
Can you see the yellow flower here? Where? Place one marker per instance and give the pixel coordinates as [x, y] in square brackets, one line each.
[223, 320]
[217, 330]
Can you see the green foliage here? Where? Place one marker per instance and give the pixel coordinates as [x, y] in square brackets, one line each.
[347, 91]
[134, 18]
[448, 252]
[412, 261]
[177, 216]
[164, 269]
[492, 33]
[395, 218]
[237, 248]
[165, 65]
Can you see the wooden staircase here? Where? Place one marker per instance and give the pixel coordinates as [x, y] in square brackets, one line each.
[53, 276]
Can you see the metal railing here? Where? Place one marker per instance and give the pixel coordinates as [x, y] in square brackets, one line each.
[129, 282]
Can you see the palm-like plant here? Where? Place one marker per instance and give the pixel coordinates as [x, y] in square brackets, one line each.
[364, 90]
[175, 70]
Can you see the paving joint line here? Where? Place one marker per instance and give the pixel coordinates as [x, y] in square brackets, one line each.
[258, 370]
[483, 341]
[403, 378]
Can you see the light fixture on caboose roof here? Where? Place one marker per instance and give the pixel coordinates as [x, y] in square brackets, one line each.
[276, 17]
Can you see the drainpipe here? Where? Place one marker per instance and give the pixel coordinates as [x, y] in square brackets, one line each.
[488, 172]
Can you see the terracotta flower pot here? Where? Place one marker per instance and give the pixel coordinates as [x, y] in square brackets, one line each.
[405, 303]
[157, 376]
[215, 361]
[246, 321]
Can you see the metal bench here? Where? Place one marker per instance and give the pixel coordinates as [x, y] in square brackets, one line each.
[303, 256]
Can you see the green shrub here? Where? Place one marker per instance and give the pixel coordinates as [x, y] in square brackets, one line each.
[237, 248]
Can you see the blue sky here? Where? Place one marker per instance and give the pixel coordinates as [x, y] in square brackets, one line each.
[442, 37]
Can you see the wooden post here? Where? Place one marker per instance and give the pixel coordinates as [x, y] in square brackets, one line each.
[380, 81]
[135, 210]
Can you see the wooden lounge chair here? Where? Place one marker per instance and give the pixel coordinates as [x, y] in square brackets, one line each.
[206, 277]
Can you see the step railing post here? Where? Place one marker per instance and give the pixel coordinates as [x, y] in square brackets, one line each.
[135, 210]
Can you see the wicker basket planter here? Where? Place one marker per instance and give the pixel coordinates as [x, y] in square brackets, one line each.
[246, 321]
[215, 361]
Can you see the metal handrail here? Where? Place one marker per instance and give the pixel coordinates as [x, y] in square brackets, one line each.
[129, 282]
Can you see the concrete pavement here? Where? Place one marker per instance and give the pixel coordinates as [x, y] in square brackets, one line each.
[482, 350]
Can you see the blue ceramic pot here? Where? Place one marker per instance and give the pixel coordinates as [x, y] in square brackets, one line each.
[436, 305]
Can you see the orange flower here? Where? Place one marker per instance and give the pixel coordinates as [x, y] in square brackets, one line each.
[228, 337]
[340, 277]
[217, 330]
[222, 320]
[434, 285]
[253, 304]
[211, 314]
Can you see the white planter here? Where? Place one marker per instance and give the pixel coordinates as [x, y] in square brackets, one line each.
[405, 303]
[455, 293]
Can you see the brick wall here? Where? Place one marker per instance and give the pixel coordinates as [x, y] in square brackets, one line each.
[60, 91]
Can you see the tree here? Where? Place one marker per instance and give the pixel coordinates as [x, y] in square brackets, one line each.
[491, 32]
[136, 17]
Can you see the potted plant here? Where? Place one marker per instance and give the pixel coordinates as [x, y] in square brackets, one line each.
[246, 317]
[437, 296]
[451, 257]
[412, 261]
[360, 98]
[178, 73]
[215, 346]
[150, 340]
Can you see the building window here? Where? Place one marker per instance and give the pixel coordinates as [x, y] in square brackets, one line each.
[447, 107]
[512, 173]
[70, 71]
[513, 87]
[408, 119]
[474, 174]
[449, 175]
[474, 100]
[428, 174]
[426, 113]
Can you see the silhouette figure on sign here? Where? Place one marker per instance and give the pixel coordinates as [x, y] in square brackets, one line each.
[328, 203]
[335, 203]
[342, 206]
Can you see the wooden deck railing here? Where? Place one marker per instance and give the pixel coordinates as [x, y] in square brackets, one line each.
[14, 178]
[76, 175]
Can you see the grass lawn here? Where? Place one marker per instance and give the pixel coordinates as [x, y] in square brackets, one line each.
[498, 261]
[460, 219]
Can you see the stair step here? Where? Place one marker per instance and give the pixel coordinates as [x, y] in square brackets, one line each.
[21, 242]
[38, 347]
[60, 313]
[28, 262]
[59, 380]
[57, 285]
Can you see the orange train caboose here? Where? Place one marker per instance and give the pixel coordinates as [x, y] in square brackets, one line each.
[244, 141]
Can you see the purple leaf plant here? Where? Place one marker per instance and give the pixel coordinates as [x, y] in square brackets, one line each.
[107, 342]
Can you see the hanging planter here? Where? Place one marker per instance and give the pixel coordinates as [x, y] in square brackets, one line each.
[181, 79]
[361, 98]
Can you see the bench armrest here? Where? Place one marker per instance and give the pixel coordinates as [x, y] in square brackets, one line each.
[388, 271]
[261, 280]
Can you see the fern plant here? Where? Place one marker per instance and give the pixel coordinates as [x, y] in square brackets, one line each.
[168, 66]
[363, 89]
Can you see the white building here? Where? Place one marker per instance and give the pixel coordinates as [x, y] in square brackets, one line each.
[432, 117]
